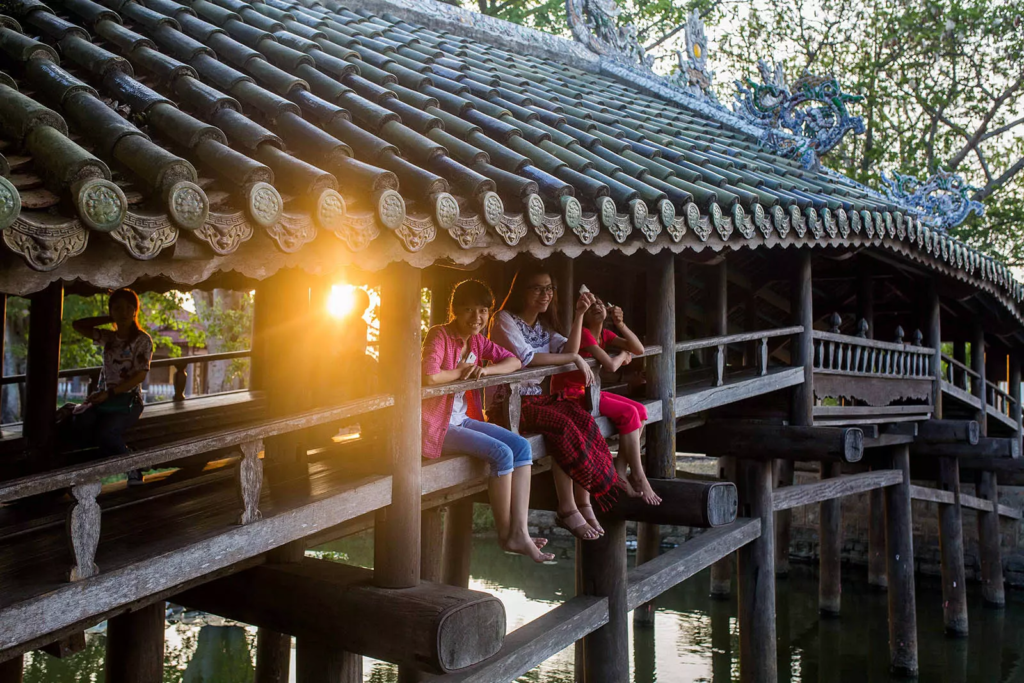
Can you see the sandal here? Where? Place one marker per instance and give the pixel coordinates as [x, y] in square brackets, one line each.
[579, 530]
[592, 519]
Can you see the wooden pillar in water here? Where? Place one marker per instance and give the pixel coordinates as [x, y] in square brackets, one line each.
[830, 546]
[756, 575]
[317, 663]
[42, 365]
[660, 457]
[431, 544]
[951, 536]
[899, 562]
[397, 529]
[718, 288]
[988, 522]
[603, 573]
[11, 671]
[135, 646]
[876, 497]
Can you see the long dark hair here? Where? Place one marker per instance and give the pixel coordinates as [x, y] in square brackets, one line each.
[515, 301]
[128, 296]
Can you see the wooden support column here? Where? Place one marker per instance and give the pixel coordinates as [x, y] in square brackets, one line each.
[899, 562]
[273, 648]
[756, 576]
[951, 537]
[660, 456]
[603, 572]
[988, 522]
[564, 274]
[783, 473]
[718, 288]
[876, 497]
[397, 528]
[431, 544]
[135, 646]
[960, 355]
[318, 663]
[830, 546]
[12, 670]
[458, 543]
[42, 366]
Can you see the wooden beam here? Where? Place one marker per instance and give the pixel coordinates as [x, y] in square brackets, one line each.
[992, 448]
[12, 670]
[835, 487]
[66, 647]
[396, 547]
[135, 646]
[948, 431]
[685, 502]
[653, 578]
[760, 440]
[899, 555]
[696, 400]
[430, 626]
[536, 641]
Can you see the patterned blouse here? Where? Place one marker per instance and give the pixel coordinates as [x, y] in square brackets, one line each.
[123, 358]
[512, 332]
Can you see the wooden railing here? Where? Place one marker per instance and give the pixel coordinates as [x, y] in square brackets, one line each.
[180, 364]
[722, 344]
[841, 354]
[958, 374]
[999, 399]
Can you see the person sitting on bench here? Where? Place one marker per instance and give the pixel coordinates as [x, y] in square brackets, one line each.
[127, 350]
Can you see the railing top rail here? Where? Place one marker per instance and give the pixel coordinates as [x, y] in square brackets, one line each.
[998, 391]
[518, 376]
[708, 342]
[872, 343]
[64, 477]
[158, 363]
[957, 364]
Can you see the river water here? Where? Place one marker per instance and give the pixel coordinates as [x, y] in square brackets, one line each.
[694, 638]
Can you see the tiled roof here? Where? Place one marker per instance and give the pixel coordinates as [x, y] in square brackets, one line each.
[222, 119]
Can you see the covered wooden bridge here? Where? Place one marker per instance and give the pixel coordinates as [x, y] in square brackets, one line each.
[790, 314]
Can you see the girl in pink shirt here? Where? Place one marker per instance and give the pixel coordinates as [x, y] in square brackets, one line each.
[454, 423]
[628, 415]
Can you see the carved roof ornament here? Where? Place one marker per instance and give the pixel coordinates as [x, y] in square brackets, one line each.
[940, 203]
[814, 107]
[595, 23]
[694, 76]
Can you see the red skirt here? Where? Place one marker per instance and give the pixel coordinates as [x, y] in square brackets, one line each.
[573, 439]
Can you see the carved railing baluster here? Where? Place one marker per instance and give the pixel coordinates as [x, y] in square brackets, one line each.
[83, 529]
[513, 407]
[819, 354]
[180, 381]
[592, 400]
[763, 357]
[250, 481]
[720, 351]
[832, 355]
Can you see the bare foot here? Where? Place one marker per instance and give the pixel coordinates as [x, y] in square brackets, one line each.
[627, 486]
[539, 542]
[588, 514]
[641, 484]
[524, 545]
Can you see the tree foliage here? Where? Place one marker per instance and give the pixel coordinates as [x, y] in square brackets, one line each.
[943, 81]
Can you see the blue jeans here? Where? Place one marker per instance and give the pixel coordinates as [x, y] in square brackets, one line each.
[106, 430]
[504, 450]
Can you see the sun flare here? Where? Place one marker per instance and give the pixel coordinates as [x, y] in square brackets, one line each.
[341, 300]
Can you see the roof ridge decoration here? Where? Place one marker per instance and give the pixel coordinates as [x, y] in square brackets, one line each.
[941, 202]
[693, 75]
[773, 103]
[595, 24]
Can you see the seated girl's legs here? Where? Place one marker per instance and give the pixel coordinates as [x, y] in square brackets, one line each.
[629, 417]
[109, 429]
[503, 450]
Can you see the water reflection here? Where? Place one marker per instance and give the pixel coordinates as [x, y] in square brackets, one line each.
[694, 638]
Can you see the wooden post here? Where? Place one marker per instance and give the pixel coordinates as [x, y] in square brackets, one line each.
[830, 546]
[273, 656]
[721, 641]
[660, 457]
[756, 576]
[1013, 390]
[718, 289]
[397, 528]
[431, 544]
[43, 365]
[440, 293]
[135, 646]
[988, 522]
[603, 571]
[317, 663]
[458, 543]
[564, 271]
[951, 538]
[960, 355]
[11, 670]
[783, 472]
[899, 563]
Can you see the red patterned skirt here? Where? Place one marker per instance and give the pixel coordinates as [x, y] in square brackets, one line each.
[573, 439]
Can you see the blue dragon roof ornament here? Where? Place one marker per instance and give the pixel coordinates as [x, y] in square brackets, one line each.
[773, 103]
[941, 202]
[595, 24]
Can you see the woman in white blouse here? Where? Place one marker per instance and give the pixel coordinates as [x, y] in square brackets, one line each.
[526, 325]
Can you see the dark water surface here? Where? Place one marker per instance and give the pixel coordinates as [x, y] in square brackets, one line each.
[694, 638]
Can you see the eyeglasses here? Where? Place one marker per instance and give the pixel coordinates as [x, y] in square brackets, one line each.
[542, 289]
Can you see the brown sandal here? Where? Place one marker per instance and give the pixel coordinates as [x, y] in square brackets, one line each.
[578, 531]
[592, 519]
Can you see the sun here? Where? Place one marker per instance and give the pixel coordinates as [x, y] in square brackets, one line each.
[341, 300]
